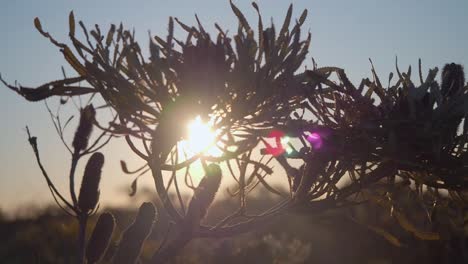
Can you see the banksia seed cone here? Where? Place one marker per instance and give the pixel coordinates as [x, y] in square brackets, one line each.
[204, 195]
[132, 239]
[453, 79]
[100, 238]
[89, 191]
[87, 116]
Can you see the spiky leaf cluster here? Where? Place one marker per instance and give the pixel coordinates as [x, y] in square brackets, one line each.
[233, 79]
[377, 142]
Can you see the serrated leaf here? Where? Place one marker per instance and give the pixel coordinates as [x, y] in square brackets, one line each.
[301, 55]
[287, 21]
[184, 26]
[154, 50]
[431, 75]
[96, 35]
[110, 35]
[200, 26]
[73, 61]
[242, 20]
[161, 42]
[370, 91]
[71, 22]
[170, 35]
[260, 34]
[303, 17]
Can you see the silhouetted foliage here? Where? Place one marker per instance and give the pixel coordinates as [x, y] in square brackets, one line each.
[400, 149]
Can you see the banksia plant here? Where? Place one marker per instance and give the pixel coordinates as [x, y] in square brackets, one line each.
[387, 140]
[85, 127]
[89, 191]
[204, 195]
[100, 238]
[133, 238]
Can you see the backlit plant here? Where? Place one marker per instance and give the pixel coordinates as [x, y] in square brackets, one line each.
[401, 146]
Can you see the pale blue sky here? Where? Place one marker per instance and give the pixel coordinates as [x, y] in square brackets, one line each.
[344, 33]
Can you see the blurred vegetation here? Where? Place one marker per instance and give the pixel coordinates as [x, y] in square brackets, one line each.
[331, 237]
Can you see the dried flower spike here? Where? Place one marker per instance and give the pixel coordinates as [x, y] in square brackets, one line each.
[204, 194]
[89, 191]
[85, 127]
[100, 238]
[453, 79]
[133, 238]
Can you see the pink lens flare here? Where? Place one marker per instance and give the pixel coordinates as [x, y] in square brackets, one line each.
[278, 149]
[315, 139]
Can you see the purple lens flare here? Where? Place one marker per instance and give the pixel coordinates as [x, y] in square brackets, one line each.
[315, 139]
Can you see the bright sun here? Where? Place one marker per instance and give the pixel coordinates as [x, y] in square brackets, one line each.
[201, 138]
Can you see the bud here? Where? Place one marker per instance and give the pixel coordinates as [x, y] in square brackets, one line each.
[453, 79]
[89, 191]
[85, 127]
[132, 239]
[204, 195]
[100, 238]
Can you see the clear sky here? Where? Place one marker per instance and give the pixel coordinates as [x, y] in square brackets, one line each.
[344, 33]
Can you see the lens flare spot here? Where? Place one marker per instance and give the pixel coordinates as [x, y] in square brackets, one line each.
[201, 139]
[284, 140]
[315, 139]
[279, 140]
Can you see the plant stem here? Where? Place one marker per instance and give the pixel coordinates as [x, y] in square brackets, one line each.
[75, 158]
[82, 220]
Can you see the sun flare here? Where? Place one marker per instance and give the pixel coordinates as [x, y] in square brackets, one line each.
[201, 138]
